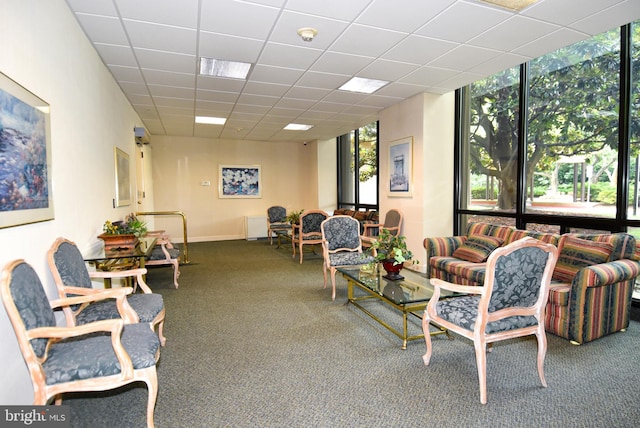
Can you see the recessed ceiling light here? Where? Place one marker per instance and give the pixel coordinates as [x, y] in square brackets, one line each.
[221, 68]
[297, 127]
[210, 120]
[364, 86]
[511, 4]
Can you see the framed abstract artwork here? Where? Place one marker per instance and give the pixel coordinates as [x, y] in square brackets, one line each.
[401, 167]
[25, 156]
[240, 181]
[123, 180]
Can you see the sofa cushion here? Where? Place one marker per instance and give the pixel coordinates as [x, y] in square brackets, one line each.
[477, 248]
[577, 253]
[549, 238]
[497, 231]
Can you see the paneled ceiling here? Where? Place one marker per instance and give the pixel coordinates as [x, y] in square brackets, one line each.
[152, 48]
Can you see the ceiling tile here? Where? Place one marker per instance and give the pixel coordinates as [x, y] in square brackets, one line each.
[567, 12]
[338, 9]
[95, 7]
[405, 15]
[167, 61]
[237, 18]
[116, 55]
[288, 56]
[513, 33]
[366, 41]
[161, 37]
[418, 50]
[183, 13]
[103, 29]
[461, 57]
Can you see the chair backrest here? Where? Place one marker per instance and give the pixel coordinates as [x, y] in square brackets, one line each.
[341, 231]
[27, 306]
[393, 221]
[518, 276]
[67, 265]
[276, 214]
[310, 221]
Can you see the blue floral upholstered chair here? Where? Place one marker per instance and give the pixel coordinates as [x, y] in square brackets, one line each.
[341, 246]
[510, 304]
[97, 356]
[276, 221]
[72, 278]
[307, 232]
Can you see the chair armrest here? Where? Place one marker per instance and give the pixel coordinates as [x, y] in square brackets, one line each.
[606, 274]
[137, 273]
[442, 246]
[367, 226]
[88, 295]
[113, 326]
[456, 288]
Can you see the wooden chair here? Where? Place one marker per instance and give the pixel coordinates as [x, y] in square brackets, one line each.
[97, 356]
[341, 246]
[72, 278]
[392, 223]
[276, 221]
[164, 254]
[307, 232]
[510, 304]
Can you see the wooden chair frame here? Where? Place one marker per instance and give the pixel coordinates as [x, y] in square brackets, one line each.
[478, 335]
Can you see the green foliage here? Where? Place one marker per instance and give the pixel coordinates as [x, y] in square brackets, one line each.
[388, 246]
[294, 217]
[131, 224]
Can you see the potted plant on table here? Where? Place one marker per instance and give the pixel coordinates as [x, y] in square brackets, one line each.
[391, 250]
[294, 217]
[123, 234]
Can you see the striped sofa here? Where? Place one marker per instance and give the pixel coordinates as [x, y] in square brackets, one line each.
[592, 282]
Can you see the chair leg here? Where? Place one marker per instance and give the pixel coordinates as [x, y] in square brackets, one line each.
[152, 386]
[481, 361]
[427, 338]
[333, 283]
[324, 273]
[542, 352]
[176, 272]
[300, 249]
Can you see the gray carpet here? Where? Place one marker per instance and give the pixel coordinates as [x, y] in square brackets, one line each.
[254, 340]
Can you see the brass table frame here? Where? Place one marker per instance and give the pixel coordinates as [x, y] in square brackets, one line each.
[410, 307]
[106, 260]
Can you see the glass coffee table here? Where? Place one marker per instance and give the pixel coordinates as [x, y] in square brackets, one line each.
[409, 295]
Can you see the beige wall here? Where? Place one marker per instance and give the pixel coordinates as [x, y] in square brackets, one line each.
[180, 165]
[429, 120]
[45, 51]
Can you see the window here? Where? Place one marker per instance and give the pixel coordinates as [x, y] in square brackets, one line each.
[542, 144]
[358, 186]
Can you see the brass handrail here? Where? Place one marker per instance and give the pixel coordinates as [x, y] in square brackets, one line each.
[184, 228]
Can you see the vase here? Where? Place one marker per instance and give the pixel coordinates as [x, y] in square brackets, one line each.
[393, 270]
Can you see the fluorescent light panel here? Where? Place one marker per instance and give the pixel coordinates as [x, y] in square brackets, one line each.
[210, 120]
[516, 5]
[221, 68]
[297, 127]
[363, 86]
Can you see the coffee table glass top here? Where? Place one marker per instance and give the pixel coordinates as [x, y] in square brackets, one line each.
[414, 288]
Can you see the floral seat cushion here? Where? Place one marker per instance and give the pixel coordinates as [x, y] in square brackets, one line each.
[147, 306]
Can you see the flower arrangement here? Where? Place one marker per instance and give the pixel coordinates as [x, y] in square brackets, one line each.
[388, 247]
[130, 225]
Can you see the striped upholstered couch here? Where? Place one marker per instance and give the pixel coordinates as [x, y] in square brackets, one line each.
[591, 286]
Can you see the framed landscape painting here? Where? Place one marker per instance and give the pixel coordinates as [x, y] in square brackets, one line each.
[240, 181]
[401, 167]
[25, 156]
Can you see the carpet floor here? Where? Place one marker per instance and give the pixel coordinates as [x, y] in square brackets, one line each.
[254, 340]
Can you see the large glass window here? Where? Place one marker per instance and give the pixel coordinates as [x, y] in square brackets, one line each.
[358, 168]
[490, 158]
[556, 141]
[572, 129]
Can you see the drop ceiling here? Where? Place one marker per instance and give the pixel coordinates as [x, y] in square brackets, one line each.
[153, 47]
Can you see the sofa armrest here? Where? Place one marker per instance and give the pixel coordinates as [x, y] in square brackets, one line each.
[606, 274]
[444, 246]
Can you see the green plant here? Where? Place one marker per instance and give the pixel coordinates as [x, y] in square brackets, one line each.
[391, 247]
[294, 217]
[130, 225]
